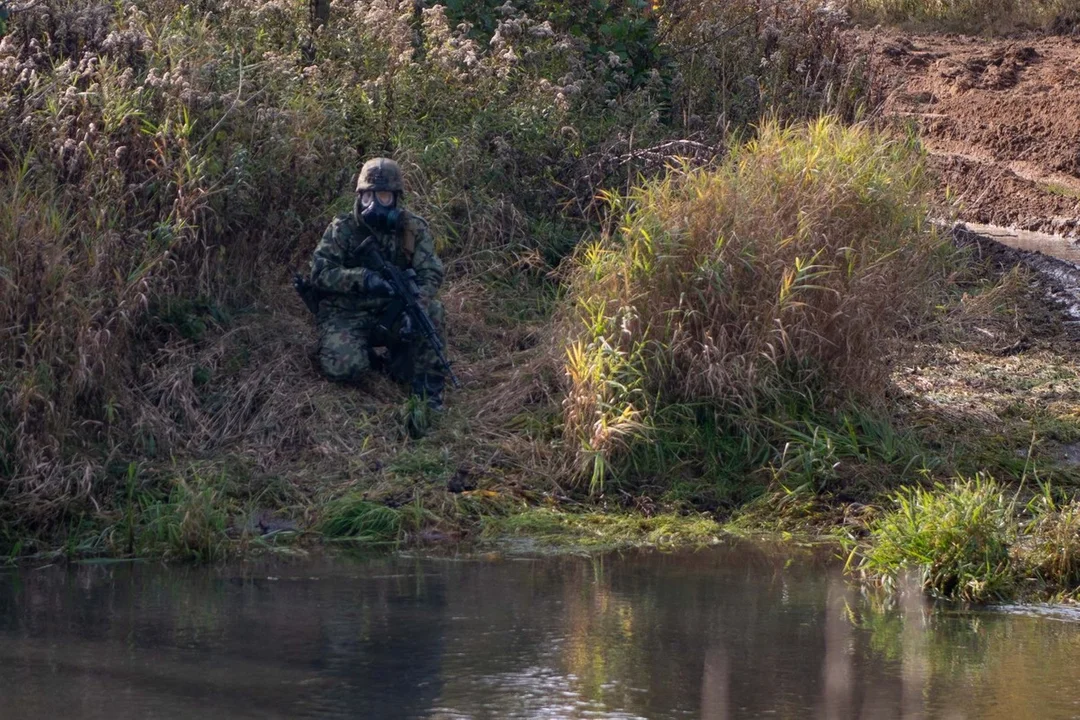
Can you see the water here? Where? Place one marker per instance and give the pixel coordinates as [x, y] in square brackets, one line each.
[1055, 246]
[738, 631]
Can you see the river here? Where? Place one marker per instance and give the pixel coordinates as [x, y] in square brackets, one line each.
[740, 630]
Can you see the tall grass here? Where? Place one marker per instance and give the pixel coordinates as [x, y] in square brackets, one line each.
[782, 273]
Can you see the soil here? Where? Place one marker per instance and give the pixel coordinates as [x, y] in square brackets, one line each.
[999, 117]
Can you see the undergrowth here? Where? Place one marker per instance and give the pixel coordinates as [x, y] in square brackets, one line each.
[657, 301]
[164, 165]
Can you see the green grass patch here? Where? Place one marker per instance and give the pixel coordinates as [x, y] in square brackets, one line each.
[1061, 190]
[956, 538]
[420, 463]
[354, 518]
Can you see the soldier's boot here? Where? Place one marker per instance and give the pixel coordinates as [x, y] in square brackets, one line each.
[429, 387]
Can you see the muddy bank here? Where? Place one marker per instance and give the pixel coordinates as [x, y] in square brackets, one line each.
[1054, 259]
[999, 118]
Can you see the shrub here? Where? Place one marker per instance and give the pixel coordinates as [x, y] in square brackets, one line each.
[783, 272]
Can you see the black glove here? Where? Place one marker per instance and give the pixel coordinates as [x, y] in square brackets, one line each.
[374, 284]
[307, 292]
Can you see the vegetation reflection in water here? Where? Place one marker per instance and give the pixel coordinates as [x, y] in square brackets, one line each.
[733, 631]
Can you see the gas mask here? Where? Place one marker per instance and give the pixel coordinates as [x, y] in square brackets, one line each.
[378, 211]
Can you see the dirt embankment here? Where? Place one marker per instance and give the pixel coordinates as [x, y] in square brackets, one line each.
[1001, 119]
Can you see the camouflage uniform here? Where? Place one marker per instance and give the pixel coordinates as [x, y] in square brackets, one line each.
[347, 316]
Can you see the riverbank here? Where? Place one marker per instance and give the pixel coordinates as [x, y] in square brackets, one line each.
[1000, 358]
[159, 397]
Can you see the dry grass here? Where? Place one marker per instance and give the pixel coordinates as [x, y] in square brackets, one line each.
[790, 268]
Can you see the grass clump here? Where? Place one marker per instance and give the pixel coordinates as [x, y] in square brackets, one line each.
[191, 523]
[776, 279]
[956, 538]
[974, 541]
[553, 528]
[1049, 553]
[356, 518]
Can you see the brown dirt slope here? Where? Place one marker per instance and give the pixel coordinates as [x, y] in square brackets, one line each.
[1000, 117]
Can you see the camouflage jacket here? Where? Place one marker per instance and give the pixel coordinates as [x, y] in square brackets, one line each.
[336, 268]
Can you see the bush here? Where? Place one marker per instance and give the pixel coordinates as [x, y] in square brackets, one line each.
[783, 272]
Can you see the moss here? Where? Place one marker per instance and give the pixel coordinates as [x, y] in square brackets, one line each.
[547, 528]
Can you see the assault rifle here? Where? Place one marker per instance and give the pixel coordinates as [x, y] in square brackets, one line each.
[408, 294]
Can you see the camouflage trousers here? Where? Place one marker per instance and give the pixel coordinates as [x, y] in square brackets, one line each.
[347, 346]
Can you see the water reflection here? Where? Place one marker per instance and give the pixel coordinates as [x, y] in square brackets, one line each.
[734, 632]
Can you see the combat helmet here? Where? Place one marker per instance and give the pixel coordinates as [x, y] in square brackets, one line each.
[380, 174]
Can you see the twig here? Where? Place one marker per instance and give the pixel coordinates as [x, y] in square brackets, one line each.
[239, 91]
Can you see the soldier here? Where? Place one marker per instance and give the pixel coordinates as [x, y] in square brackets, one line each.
[358, 310]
